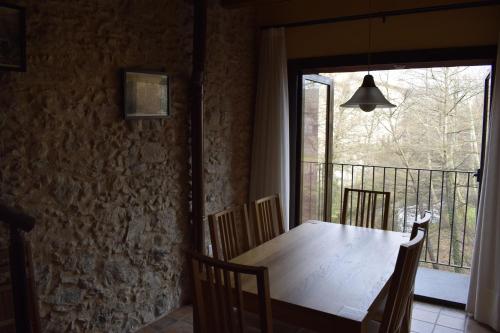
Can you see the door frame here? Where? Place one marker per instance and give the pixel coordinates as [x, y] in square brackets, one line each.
[297, 68]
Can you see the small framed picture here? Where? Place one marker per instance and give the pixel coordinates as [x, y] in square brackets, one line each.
[12, 38]
[146, 94]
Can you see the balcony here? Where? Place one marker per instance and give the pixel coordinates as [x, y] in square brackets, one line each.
[450, 195]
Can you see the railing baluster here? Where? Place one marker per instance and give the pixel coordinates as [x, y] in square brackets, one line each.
[373, 178]
[341, 189]
[383, 190]
[452, 223]
[440, 215]
[465, 218]
[418, 189]
[320, 190]
[352, 186]
[406, 198]
[394, 196]
[362, 177]
[330, 183]
[432, 215]
[310, 192]
[430, 191]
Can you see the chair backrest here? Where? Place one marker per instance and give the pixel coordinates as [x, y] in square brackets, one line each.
[364, 213]
[268, 218]
[218, 303]
[401, 288]
[229, 232]
[422, 223]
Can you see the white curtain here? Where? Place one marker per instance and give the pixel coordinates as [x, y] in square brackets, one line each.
[270, 172]
[484, 291]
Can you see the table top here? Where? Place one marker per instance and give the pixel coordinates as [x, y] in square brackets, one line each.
[338, 270]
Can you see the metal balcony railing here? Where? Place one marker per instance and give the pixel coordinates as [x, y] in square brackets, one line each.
[450, 195]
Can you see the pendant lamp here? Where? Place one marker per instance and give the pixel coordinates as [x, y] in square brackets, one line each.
[368, 96]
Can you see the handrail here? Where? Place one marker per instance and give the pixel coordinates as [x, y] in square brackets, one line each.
[390, 167]
[16, 219]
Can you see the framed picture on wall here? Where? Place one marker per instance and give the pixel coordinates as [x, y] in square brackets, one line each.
[146, 94]
[12, 38]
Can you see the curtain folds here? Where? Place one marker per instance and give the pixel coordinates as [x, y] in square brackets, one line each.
[270, 170]
[484, 291]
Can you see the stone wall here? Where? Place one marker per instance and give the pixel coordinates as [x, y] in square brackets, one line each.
[229, 105]
[110, 197]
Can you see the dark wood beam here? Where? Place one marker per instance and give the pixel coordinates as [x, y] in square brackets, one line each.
[387, 13]
[197, 81]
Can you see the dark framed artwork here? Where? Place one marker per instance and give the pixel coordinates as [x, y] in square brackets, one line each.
[12, 37]
[146, 94]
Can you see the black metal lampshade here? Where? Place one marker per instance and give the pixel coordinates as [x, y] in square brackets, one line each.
[368, 97]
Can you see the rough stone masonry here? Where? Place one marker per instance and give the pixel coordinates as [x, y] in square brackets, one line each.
[111, 198]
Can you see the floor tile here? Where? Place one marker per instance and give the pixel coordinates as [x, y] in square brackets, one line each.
[454, 313]
[424, 315]
[444, 329]
[452, 322]
[418, 326]
[163, 323]
[178, 327]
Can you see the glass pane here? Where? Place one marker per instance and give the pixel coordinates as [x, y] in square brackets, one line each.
[314, 149]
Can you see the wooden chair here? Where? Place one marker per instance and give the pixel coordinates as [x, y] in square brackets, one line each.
[218, 296]
[364, 214]
[18, 300]
[395, 316]
[268, 218]
[228, 233]
[423, 224]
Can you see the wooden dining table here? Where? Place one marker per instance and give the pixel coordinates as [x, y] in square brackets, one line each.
[326, 277]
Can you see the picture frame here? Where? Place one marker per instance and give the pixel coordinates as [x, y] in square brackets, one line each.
[146, 94]
[12, 37]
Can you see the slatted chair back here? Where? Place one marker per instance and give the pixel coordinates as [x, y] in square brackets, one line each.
[363, 205]
[229, 232]
[219, 302]
[422, 223]
[268, 218]
[401, 288]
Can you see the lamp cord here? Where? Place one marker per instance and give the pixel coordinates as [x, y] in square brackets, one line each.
[369, 37]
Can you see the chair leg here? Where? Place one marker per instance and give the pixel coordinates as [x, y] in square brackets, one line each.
[406, 326]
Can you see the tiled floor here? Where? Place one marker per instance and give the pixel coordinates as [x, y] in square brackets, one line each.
[426, 318]
[429, 318]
